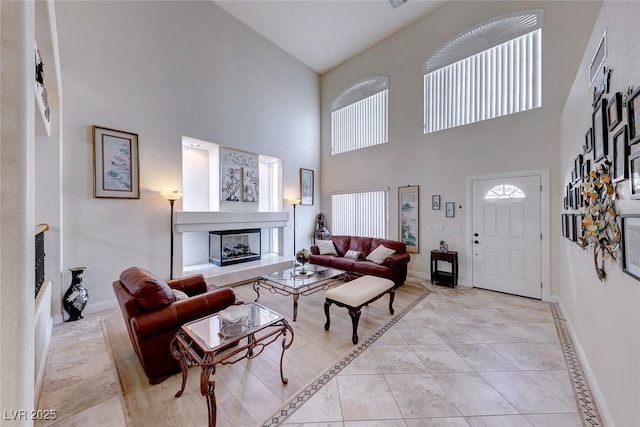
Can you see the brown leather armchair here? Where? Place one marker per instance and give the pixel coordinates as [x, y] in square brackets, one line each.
[153, 314]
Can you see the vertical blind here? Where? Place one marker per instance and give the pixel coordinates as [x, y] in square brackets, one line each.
[502, 80]
[359, 115]
[360, 214]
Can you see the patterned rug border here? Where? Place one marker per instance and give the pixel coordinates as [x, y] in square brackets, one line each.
[587, 407]
[295, 402]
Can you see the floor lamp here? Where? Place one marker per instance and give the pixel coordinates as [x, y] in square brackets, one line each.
[294, 202]
[171, 196]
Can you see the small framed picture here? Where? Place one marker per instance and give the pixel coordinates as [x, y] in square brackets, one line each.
[571, 228]
[577, 168]
[633, 116]
[634, 174]
[586, 168]
[631, 245]
[620, 153]
[565, 229]
[306, 186]
[435, 202]
[588, 142]
[115, 164]
[569, 196]
[450, 209]
[600, 131]
[577, 220]
[565, 203]
[614, 111]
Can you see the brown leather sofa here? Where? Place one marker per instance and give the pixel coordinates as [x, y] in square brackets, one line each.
[394, 267]
[153, 315]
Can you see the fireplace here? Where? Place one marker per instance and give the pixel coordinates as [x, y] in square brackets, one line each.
[234, 246]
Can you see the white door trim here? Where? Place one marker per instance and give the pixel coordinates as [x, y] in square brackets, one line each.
[545, 244]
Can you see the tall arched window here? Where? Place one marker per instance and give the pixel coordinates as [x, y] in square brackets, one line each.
[491, 70]
[359, 115]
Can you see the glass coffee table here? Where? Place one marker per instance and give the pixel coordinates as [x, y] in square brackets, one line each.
[292, 282]
[219, 340]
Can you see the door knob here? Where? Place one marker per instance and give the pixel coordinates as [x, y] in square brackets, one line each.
[476, 242]
[475, 234]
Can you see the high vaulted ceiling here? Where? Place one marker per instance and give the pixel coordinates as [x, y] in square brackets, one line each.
[324, 33]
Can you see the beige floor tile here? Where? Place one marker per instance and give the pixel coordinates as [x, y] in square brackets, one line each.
[557, 381]
[482, 358]
[440, 358]
[398, 359]
[104, 414]
[555, 420]
[454, 333]
[385, 423]
[532, 356]
[420, 396]
[499, 421]
[526, 394]
[365, 363]
[379, 403]
[437, 422]
[324, 406]
[473, 395]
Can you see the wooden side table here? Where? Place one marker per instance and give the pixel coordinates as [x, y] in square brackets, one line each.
[444, 277]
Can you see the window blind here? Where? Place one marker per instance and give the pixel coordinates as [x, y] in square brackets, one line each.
[360, 213]
[359, 116]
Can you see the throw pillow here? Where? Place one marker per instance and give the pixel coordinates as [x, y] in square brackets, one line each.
[352, 254]
[379, 254]
[326, 247]
[179, 294]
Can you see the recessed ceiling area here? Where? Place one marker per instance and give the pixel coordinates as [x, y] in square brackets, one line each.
[323, 33]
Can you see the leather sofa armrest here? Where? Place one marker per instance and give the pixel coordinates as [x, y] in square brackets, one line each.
[177, 314]
[190, 285]
[314, 250]
[397, 259]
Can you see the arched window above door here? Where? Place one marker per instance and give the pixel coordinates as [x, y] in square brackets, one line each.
[505, 191]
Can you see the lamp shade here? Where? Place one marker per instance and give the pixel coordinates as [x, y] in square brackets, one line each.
[172, 195]
[294, 201]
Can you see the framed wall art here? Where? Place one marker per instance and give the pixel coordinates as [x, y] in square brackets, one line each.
[614, 110]
[631, 245]
[306, 186]
[577, 168]
[450, 209]
[230, 183]
[116, 171]
[565, 228]
[634, 174]
[571, 228]
[588, 142]
[633, 116]
[620, 153]
[577, 226]
[409, 214]
[586, 168]
[250, 185]
[435, 202]
[600, 131]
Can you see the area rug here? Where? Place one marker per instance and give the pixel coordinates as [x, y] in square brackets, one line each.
[305, 394]
[144, 404]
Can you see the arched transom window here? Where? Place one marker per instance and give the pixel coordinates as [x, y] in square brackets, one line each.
[505, 191]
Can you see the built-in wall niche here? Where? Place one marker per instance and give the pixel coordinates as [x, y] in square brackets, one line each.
[225, 179]
[204, 164]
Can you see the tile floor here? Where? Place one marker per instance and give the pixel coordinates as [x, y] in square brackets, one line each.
[463, 357]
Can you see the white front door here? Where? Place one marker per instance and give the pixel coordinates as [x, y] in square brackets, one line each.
[506, 235]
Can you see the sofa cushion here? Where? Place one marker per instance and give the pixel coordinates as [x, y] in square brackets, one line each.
[342, 263]
[361, 244]
[342, 244]
[326, 247]
[379, 254]
[179, 294]
[352, 254]
[150, 291]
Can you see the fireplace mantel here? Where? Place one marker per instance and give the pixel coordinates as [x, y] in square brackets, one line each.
[221, 221]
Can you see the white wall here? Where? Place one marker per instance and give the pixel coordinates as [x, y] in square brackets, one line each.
[439, 162]
[165, 70]
[604, 316]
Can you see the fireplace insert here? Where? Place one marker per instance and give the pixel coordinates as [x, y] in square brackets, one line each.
[234, 246]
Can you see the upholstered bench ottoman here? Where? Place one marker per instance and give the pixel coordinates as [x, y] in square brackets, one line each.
[355, 294]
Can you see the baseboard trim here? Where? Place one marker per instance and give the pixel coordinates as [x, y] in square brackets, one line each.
[90, 308]
[603, 409]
